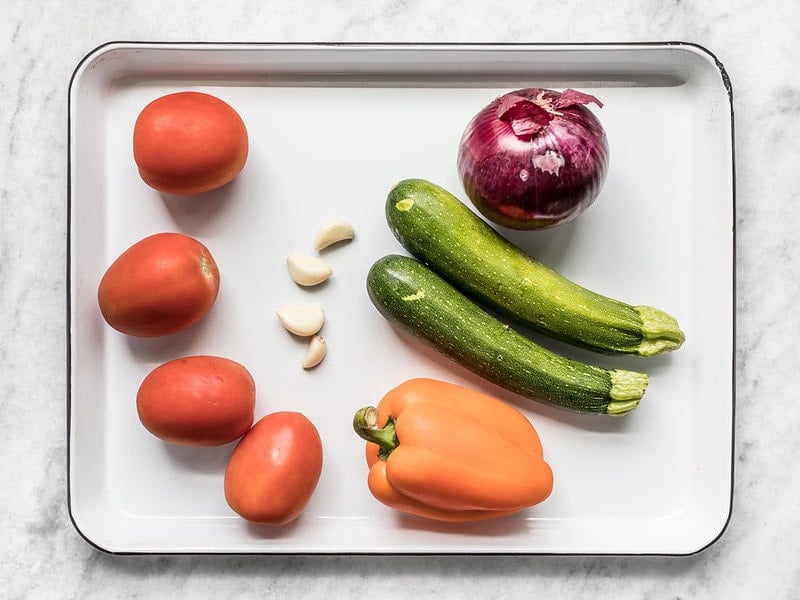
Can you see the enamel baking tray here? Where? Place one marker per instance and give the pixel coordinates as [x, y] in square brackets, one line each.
[332, 128]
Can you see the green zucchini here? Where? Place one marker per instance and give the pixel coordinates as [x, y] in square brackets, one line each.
[442, 232]
[417, 300]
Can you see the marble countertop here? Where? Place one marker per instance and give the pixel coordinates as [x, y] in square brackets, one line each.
[40, 46]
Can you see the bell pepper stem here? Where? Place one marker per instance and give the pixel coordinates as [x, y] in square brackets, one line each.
[365, 424]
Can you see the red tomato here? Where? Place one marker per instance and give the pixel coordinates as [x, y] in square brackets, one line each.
[197, 401]
[189, 143]
[160, 285]
[274, 469]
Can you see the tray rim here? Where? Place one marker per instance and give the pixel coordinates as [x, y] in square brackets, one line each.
[396, 46]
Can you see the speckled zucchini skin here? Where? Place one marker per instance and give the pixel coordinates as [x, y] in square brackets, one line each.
[413, 297]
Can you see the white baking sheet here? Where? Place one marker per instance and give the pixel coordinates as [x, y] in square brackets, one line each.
[332, 129]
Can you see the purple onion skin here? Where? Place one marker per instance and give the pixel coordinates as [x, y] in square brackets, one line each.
[512, 180]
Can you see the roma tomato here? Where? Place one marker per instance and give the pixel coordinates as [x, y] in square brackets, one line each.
[274, 469]
[189, 143]
[160, 285]
[197, 401]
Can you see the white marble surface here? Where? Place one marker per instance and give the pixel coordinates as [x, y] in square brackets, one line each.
[42, 556]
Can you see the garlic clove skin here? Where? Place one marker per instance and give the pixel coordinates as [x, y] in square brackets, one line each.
[308, 270]
[304, 320]
[332, 232]
[315, 352]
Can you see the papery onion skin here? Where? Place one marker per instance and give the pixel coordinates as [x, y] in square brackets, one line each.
[547, 172]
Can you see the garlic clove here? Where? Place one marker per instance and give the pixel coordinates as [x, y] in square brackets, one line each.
[301, 319]
[315, 352]
[332, 232]
[308, 270]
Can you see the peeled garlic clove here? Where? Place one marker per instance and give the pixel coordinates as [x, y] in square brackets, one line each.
[308, 270]
[301, 319]
[333, 231]
[315, 352]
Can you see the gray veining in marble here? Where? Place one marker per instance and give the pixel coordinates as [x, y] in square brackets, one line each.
[41, 554]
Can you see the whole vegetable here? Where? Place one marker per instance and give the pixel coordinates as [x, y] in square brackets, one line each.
[197, 401]
[161, 285]
[534, 157]
[274, 469]
[443, 233]
[449, 453]
[189, 143]
[415, 299]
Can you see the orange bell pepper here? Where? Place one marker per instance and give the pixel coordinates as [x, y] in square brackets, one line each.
[445, 452]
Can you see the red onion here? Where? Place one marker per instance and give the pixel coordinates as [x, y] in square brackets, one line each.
[534, 157]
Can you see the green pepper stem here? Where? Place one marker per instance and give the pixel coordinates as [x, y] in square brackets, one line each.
[365, 424]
